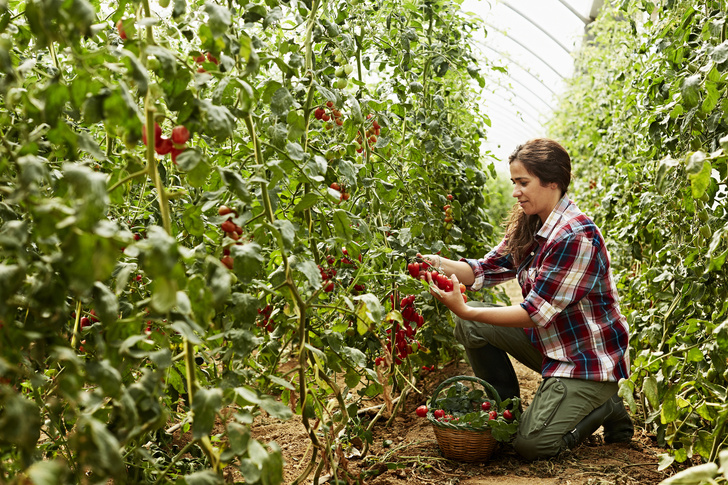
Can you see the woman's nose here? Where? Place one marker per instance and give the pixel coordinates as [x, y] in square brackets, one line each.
[516, 192]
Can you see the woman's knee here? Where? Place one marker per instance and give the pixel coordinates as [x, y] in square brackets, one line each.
[537, 447]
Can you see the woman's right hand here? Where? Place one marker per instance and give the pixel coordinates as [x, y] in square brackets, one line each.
[434, 260]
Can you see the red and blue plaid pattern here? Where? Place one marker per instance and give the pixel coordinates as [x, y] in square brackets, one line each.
[569, 293]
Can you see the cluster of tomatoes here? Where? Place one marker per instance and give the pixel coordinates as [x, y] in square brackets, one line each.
[231, 230]
[120, 29]
[404, 342]
[87, 321]
[371, 135]
[329, 272]
[329, 117]
[201, 58]
[447, 209]
[485, 406]
[327, 275]
[418, 269]
[343, 194]
[415, 268]
[163, 145]
[265, 320]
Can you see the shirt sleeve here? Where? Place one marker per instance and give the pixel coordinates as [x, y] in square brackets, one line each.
[495, 267]
[568, 272]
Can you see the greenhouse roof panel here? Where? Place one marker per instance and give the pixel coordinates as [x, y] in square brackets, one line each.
[534, 40]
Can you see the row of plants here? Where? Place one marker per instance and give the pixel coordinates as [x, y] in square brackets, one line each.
[645, 119]
[207, 211]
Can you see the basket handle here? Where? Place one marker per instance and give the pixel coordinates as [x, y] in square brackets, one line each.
[489, 390]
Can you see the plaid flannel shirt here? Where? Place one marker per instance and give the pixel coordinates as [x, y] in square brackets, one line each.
[569, 293]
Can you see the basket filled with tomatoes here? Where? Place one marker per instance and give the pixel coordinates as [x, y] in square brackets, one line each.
[470, 420]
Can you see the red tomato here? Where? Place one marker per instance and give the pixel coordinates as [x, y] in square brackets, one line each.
[508, 414]
[485, 406]
[421, 411]
[228, 226]
[164, 146]
[414, 269]
[224, 210]
[180, 135]
[493, 414]
[439, 413]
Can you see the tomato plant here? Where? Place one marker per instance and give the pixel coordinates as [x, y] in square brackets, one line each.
[650, 164]
[207, 270]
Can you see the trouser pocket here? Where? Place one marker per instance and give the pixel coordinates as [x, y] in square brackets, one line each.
[545, 405]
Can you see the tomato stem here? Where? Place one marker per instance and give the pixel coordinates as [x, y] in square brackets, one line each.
[76, 325]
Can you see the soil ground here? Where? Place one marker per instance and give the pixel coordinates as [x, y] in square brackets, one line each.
[406, 452]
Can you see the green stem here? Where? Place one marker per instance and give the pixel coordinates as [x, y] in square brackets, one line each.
[173, 461]
[54, 56]
[309, 468]
[144, 171]
[149, 32]
[153, 170]
[299, 304]
[309, 35]
[76, 325]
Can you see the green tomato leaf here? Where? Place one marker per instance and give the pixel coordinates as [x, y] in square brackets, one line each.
[669, 410]
[20, 422]
[342, 225]
[189, 159]
[281, 102]
[219, 18]
[203, 477]
[248, 260]
[306, 202]
[720, 53]
[98, 448]
[690, 91]
[105, 303]
[217, 121]
[310, 271]
[48, 473]
[205, 405]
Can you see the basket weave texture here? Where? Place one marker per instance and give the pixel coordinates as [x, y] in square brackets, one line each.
[462, 442]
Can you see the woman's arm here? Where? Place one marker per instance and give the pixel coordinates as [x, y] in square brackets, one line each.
[509, 316]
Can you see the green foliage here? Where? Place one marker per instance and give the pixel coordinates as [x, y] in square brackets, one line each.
[126, 306]
[645, 122]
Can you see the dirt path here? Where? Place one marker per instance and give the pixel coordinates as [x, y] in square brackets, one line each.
[406, 451]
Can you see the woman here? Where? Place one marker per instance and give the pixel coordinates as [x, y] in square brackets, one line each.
[568, 327]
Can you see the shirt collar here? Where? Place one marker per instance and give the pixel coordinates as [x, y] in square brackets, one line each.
[554, 218]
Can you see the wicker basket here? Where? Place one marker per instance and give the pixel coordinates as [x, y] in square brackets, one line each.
[462, 442]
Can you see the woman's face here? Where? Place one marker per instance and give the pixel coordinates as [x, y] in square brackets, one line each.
[533, 197]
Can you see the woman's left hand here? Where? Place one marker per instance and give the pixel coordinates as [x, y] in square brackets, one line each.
[451, 299]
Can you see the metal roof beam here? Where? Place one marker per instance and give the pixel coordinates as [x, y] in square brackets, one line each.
[535, 24]
[521, 109]
[575, 12]
[516, 63]
[534, 54]
[510, 88]
[513, 109]
[596, 6]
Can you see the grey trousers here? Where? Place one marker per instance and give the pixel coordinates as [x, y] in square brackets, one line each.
[559, 404]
